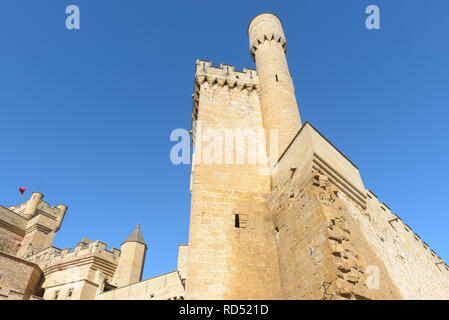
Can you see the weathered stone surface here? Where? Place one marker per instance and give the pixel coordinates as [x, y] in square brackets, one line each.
[19, 279]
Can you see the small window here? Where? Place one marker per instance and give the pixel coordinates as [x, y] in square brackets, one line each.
[277, 79]
[240, 220]
[56, 294]
[69, 294]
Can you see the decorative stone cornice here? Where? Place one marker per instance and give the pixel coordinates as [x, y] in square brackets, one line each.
[39, 227]
[265, 27]
[277, 37]
[226, 75]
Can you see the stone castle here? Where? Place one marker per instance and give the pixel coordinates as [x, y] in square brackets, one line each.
[31, 268]
[297, 225]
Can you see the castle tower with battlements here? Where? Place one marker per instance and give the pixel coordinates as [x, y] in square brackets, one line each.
[277, 211]
[302, 226]
[31, 268]
[34, 222]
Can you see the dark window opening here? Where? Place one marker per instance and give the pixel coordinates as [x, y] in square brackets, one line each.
[240, 220]
[40, 292]
[277, 80]
[108, 287]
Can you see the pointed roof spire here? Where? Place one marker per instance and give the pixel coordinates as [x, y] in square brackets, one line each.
[136, 236]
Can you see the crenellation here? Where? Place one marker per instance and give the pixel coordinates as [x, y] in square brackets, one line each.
[225, 75]
[383, 204]
[53, 255]
[18, 209]
[406, 227]
[265, 27]
[370, 194]
[41, 207]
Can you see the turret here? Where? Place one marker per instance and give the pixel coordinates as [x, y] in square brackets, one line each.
[41, 224]
[132, 258]
[32, 204]
[62, 210]
[277, 94]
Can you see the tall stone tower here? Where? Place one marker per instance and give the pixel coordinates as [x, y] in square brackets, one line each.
[307, 229]
[232, 250]
[132, 258]
[268, 47]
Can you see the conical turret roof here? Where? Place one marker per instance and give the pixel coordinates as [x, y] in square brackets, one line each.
[136, 236]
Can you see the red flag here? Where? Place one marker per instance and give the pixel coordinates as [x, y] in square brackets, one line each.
[22, 190]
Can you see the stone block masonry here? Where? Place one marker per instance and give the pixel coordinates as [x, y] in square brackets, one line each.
[308, 230]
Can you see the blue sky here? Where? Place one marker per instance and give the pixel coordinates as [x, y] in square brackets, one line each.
[89, 112]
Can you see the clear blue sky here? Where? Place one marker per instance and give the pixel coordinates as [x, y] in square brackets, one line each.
[89, 112]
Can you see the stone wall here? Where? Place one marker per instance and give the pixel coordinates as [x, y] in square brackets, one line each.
[226, 261]
[20, 276]
[322, 253]
[336, 240]
[182, 260]
[6, 294]
[10, 242]
[416, 270]
[164, 287]
[71, 290]
[12, 228]
[73, 273]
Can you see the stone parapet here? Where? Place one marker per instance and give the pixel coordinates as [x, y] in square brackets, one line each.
[54, 256]
[225, 75]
